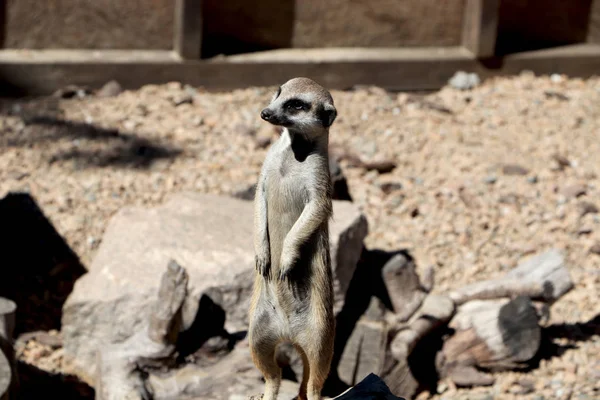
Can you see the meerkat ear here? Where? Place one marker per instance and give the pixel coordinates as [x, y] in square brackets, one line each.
[328, 114]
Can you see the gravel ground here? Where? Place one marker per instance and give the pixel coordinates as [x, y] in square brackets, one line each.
[484, 177]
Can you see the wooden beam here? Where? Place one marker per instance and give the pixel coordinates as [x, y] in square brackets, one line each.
[44, 71]
[480, 27]
[188, 29]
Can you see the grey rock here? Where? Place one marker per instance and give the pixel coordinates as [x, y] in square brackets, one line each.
[110, 89]
[364, 352]
[212, 236]
[491, 179]
[462, 80]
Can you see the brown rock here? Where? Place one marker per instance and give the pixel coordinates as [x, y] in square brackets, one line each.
[595, 248]
[561, 160]
[586, 207]
[389, 187]
[573, 191]
[514, 169]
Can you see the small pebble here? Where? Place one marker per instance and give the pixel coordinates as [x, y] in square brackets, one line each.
[462, 80]
[491, 179]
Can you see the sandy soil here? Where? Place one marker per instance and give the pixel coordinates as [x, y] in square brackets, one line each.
[484, 178]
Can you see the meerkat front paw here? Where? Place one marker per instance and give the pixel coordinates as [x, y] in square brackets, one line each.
[288, 260]
[263, 264]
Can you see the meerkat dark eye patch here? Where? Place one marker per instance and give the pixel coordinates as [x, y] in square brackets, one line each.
[296, 104]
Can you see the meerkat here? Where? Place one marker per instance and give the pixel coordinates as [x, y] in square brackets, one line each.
[292, 299]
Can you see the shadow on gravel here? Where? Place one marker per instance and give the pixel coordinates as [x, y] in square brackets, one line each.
[120, 149]
[92, 145]
[35, 384]
[38, 268]
[574, 333]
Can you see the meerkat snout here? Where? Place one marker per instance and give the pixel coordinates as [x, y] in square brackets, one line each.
[301, 104]
[265, 114]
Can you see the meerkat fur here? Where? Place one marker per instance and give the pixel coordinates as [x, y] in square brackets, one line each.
[293, 291]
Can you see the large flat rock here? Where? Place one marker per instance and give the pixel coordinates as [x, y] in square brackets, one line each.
[210, 236]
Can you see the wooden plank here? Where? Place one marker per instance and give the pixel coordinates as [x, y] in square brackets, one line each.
[39, 72]
[188, 29]
[42, 72]
[480, 27]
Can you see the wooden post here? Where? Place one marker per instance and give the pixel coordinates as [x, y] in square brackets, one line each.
[480, 27]
[188, 28]
[8, 371]
[3, 12]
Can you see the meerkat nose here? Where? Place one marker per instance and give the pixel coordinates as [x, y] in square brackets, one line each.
[265, 114]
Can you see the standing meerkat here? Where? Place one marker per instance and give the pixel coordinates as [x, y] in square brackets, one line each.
[293, 290]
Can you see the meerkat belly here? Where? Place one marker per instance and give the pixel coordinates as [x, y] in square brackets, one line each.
[285, 202]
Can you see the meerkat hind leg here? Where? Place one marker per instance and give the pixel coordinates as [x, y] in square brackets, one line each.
[318, 360]
[262, 348]
[305, 374]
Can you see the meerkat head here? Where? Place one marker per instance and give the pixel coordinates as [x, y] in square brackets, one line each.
[301, 105]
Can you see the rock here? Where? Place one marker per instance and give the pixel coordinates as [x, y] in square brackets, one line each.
[234, 376]
[71, 91]
[183, 99]
[246, 194]
[365, 350]
[381, 166]
[123, 367]
[338, 180]
[561, 161]
[514, 169]
[389, 187]
[212, 237]
[370, 388]
[490, 179]
[264, 136]
[462, 80]
[110, 89]
[595, 248]
[403, 286]
[585, 207]
[551, 94]
[574, 190]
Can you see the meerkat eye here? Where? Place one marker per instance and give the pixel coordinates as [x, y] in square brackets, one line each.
[296, 104]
